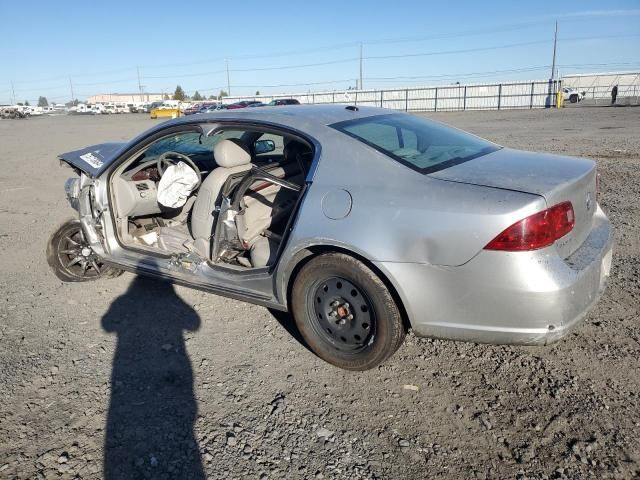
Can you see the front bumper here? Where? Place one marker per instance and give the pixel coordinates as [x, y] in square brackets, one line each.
[528, 298]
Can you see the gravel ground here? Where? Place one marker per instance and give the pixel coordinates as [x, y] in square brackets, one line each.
[132, 378]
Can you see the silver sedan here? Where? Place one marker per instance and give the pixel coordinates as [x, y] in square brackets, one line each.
[360, 222]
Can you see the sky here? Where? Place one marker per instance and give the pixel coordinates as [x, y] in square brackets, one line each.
[51, 48]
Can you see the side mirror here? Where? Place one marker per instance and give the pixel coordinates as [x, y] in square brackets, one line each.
[264, 146]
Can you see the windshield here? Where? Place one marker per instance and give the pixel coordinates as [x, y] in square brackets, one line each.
[418, 143]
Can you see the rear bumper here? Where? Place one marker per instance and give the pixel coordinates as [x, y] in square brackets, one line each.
[528, 298]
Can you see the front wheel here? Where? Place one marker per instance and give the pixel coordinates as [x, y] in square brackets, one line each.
[71, 257]
[345, 312]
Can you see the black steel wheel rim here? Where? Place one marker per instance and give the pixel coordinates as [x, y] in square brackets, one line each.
[342, 314]
[76, 257]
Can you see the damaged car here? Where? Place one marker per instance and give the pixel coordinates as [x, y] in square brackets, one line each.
[361, 222]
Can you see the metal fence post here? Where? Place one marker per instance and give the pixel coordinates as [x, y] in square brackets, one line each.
[381, 97]
[435, 103]
[406, 100]
[356, 102]
[531, 100]
[464, 100]
[333, 100]
[499, 95]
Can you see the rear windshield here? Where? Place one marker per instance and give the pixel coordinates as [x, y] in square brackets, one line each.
[420, 144]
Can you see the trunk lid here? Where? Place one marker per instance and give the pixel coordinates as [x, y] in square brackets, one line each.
[95, 159]
[556, 178]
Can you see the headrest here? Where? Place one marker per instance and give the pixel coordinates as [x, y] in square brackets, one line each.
[231, 153]
[295, 150]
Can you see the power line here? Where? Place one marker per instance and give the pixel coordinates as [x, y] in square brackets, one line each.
[184, 75]
[290, 67]
[456, 75]
[468, 33]
[296, 84]
[449, 52]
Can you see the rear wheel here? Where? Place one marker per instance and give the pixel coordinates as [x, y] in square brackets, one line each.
[72, 259]
[345, 313]
[573, 98]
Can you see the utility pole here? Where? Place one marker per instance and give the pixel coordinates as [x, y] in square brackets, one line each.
[361, 66]
[226, 61]
[555, 43]
[71, 87]
[13, 92]
[139, 84]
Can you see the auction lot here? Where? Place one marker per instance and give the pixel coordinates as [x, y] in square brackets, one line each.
[89, 371]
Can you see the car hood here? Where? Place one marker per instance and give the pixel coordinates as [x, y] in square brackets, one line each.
[95, 159]
[537, 173]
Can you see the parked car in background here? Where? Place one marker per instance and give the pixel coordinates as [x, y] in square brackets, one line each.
[198, 107]
[142, 108]
[12, 112]
[110, 109]
[362, 222]
[211, 108]
[190, 110]
[257, 104]
[242, 104]
[572, 95]
[283, 101]
[154, 105]
[35, 111]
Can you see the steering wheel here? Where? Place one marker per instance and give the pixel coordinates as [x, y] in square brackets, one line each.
[164, 161]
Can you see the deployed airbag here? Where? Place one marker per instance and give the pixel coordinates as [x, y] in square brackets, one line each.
[176, 184]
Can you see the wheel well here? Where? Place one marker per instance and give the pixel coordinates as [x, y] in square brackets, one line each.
[316, 250]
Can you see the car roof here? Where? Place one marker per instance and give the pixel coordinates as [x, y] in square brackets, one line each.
[293, 116]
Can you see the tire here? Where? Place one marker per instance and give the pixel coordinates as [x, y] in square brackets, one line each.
[573, 98]
[71, 258]
[345, 312]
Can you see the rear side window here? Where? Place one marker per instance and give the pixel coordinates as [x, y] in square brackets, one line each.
[418, 143]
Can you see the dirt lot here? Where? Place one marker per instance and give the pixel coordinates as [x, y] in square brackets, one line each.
[190, 385]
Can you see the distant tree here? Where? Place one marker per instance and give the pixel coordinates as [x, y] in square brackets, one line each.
[179, 94]
[223, 93]
[26, 103]
[72, 103]
[42, 102]
[165, 97]
[20, 104]
[212, 97]
[257, 92]
[196, 96]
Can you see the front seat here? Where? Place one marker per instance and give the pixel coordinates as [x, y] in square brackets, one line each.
[232, 156]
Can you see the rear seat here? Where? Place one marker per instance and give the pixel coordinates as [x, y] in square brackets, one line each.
[265, 204]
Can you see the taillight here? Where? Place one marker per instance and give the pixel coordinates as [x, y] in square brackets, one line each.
[536, 231]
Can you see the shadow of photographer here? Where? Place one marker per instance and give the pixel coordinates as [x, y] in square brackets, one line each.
[152, 409]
